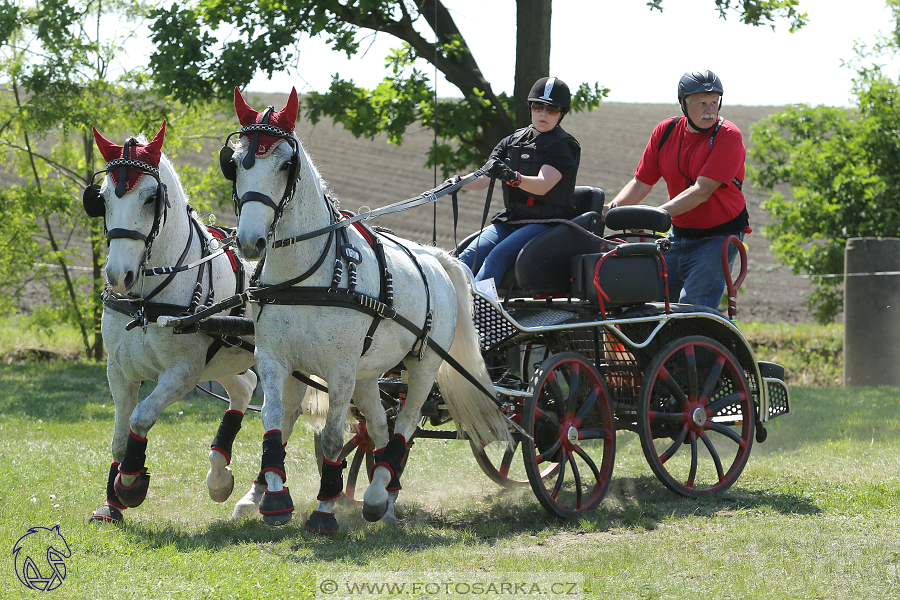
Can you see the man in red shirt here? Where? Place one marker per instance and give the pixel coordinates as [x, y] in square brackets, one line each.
[701, 157]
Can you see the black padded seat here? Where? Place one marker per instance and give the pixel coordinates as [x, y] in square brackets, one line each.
[655, 309]
[544, 263]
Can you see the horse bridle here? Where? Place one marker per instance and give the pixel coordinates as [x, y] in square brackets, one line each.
[93, 201]
[229, 169]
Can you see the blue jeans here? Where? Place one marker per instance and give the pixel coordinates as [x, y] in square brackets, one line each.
[498, 247]
[695, 269]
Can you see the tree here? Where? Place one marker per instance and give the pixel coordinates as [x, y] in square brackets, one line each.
[190, 63]
[55, 83]
[843, 169]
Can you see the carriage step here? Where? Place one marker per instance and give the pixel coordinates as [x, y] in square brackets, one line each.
[779, 400]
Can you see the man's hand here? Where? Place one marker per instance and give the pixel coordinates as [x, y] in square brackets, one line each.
[502, 171]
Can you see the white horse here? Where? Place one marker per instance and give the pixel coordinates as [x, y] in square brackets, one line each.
[148, 225]
[317, 325]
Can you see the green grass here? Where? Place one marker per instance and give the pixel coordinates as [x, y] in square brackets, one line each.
[814, 515]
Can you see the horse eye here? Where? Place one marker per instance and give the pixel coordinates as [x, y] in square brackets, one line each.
[285, 166]
[150, 199]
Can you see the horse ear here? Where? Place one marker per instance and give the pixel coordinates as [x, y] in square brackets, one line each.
[154, 148]
[108, 149]
[245, 113]
[290, 110]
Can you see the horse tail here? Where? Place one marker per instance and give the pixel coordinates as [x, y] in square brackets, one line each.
[472, 411]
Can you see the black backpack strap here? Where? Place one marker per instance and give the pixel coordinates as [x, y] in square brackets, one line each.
[669, 129]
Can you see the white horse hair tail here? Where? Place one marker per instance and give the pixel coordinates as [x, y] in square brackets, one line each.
[472, 411]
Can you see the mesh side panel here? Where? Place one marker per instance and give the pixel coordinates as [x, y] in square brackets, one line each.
[492, 327]
[779, 403]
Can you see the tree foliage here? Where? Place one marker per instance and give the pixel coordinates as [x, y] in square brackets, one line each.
[56, 81]
[191, 63]
[843, 169]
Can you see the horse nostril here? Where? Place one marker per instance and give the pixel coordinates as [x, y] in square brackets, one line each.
[129, 280]
[260, 246]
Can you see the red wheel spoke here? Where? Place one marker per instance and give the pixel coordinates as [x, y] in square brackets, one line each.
[590, 463]
[577, 477]
[672, 386]
[559, 478]
[574, 384]
[712, 379]
[724, 402]
[671, 450]
[715, 455]
[665, 417]
[727, 432]
[694, 458]
[508, 456]
[547, 454]
[590, 403]
[594, 434]
[693, 378]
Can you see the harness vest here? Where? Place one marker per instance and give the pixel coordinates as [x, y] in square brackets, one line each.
[527, 154]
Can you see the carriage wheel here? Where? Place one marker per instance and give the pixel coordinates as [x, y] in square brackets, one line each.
[358, 449]
[570, 422]
[696, 416]
[504, 465]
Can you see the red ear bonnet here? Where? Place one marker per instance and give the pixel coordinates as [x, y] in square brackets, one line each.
[285, 119]
[149, 155]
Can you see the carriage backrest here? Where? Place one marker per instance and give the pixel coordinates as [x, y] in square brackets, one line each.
[542, 266]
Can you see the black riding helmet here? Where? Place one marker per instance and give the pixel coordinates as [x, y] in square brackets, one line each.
[552, 91]
[698, 82]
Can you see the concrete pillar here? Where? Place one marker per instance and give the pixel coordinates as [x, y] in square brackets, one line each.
[872, 312]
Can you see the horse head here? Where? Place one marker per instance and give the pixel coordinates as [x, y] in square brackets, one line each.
[132, 199]
[266, 163]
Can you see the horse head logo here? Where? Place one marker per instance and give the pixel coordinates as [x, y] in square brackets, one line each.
[39, 558]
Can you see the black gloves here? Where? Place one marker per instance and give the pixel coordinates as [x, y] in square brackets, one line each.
[502, 171]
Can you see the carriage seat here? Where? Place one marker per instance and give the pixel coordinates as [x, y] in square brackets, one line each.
[631, 275]
[542, 267]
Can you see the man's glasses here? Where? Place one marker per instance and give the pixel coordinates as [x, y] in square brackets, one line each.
[550, 110]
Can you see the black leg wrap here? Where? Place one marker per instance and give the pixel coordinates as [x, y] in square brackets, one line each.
[393, 456]
[135, 455]
[111, 497]
[332, 480]
[273, 455]
[133, 464]
[133, 495]
[111, 512]
[322, 523]
[228, 429]
[276, 507]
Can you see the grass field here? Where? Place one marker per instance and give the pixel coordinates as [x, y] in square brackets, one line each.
[814, 515]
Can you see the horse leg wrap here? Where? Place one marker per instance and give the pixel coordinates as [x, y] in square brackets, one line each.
[228, 429]
[272, 456]
[133, 464]
[111, 512]
[322, 523]
[392, 456]
[332, 480]
[276, 507]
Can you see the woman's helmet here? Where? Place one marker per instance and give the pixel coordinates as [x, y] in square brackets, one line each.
[698, 82]
[552, 91]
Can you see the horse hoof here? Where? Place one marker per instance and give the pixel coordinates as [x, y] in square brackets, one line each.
[107, 514]
[321, 523]
[374, 513]
[277, 507]
[223, 493]
[134, 494]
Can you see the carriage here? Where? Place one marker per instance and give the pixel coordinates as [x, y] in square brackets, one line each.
[578, 347]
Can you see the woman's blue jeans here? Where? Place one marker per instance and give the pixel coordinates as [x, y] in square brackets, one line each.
[497, 247]
[695, 269]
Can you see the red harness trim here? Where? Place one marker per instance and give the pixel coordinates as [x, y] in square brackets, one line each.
[362, 229]
[220, 235]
